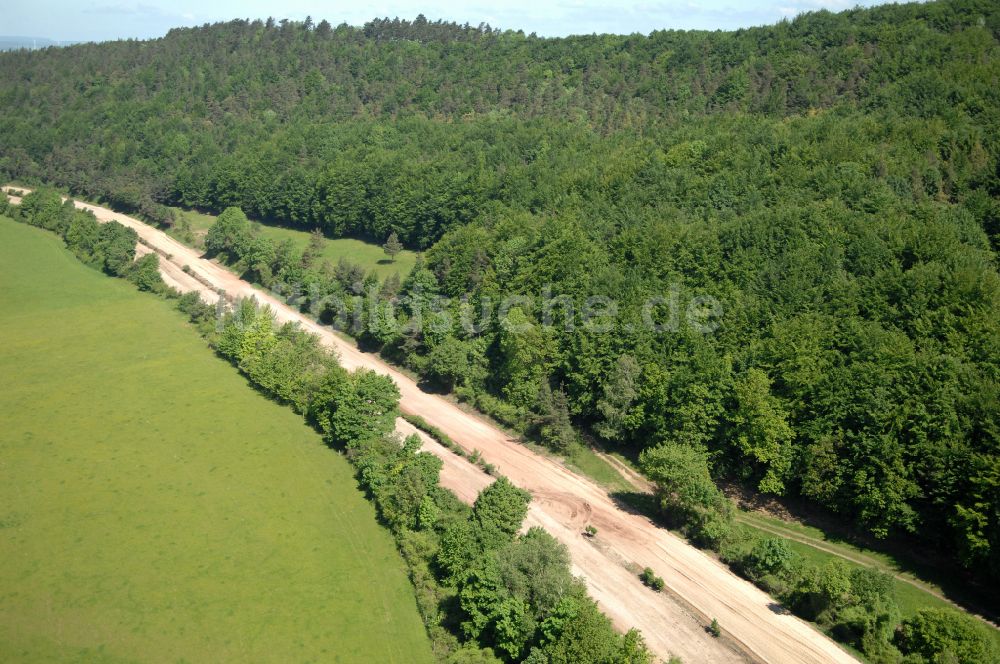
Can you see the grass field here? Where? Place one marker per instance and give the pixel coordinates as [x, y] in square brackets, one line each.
[369, 256]
[154, 507]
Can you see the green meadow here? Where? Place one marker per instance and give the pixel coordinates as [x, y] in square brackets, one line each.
[154, 507]
[367, 255]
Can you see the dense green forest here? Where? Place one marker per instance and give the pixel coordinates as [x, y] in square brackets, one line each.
[832, 182]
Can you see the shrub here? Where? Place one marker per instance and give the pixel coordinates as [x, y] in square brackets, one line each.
[768, 556]
[197, 310]
[145, 273]
[688, 497]
[231, 234]
[714, 628]
[649, 578]
[942, 635]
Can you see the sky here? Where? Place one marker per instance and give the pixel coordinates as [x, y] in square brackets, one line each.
[99, 20]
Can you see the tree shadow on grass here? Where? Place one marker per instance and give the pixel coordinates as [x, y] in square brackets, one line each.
[640, 504]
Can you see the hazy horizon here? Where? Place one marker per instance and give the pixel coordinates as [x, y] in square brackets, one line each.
[66, 21]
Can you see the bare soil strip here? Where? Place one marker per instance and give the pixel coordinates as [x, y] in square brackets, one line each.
[698, 587]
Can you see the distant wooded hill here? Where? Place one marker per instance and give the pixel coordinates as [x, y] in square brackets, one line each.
[12, 43]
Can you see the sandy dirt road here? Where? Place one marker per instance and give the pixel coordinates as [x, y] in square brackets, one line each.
[698, 588]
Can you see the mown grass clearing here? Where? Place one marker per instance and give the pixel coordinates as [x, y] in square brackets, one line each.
[589, 463]
[154, 507]
[367, 255]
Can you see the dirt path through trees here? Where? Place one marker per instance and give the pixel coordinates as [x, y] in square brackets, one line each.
[698, 588]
